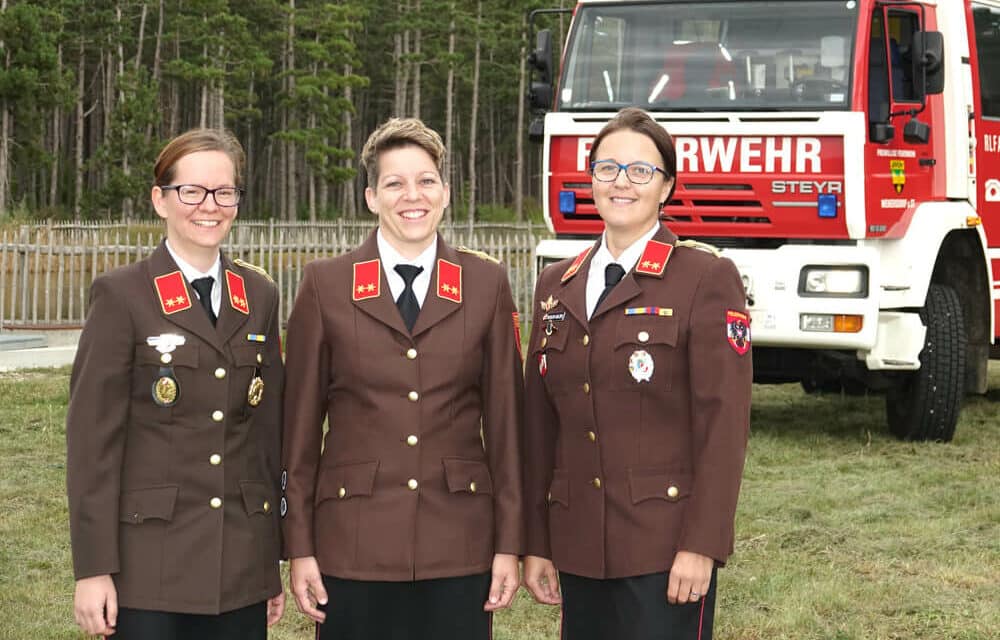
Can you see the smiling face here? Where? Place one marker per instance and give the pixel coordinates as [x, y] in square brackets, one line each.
[409, 199]
[196, 232]
[629, 210]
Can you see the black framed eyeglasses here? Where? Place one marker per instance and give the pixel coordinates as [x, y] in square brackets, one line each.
[193, 194]
[636, 172]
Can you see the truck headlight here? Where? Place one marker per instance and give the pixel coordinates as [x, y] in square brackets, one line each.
[835, 282]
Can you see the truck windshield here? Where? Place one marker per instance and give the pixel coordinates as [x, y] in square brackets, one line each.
[710, 56]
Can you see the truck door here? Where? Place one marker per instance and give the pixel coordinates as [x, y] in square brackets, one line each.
[900, 173]
[986, 27]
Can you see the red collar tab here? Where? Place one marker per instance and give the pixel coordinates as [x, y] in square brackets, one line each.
[449, 285]
[654, 258]
[237, 292]
[172, 292]
[367, 279]
[573, 268]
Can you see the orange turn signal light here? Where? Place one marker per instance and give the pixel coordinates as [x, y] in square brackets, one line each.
[847, 324]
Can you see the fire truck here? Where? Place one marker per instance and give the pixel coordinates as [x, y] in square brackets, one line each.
[845, 154]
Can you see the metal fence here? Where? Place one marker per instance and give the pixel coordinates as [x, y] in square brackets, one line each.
[46, 270]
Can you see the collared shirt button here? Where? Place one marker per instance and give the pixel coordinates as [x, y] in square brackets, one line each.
[586, 340]
[220, 373]
[472, 487]
[412, 440]
[166, 358]
[412, 484]
[413, 396]
[643, 336]
[592, 436]
[596, 482]
[215, 503]
[586, 387]
[215, 459]
[411, 354]
[342, 492]
[673, 492]
[217, 416]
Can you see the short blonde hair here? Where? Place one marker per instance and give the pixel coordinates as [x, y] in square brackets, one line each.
[193, 141]
[400, 132]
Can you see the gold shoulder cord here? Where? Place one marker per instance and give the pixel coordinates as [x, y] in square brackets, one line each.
[254, 267]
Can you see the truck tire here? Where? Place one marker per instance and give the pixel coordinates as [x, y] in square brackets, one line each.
[924, 404]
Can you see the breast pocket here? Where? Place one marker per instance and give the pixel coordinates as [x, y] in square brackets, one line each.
[550, 356]
[151, 366]
[646, 352]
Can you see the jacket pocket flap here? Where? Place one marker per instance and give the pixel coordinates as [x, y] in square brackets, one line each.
[347, 481]
[257, 497]
[185, 355]
[647, 484]
[554, 342]
[470, 476]
[639, 330]
[246, 356]
[153, 502]
[559, 490]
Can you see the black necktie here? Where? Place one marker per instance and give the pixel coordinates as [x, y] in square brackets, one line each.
[407, 302]
[204, 288]
[613, 274]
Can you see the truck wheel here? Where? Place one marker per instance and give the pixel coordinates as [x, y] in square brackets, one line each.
[924, 404]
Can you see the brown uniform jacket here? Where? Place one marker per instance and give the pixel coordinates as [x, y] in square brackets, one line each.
[419, 475]
[625, 466]
[177, 502]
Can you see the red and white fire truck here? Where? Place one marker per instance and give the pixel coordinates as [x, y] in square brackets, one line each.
[845, 154]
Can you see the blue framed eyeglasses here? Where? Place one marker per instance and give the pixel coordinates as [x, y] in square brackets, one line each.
[636, 172]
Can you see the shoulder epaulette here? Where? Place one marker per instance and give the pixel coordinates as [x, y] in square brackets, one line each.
[479, 254]
[253, 267]
[701, 246]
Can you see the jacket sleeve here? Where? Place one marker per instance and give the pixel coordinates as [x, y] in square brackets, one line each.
[96, 421]
[721, 383]
[307, 374]
[502, 384]
[541, 424]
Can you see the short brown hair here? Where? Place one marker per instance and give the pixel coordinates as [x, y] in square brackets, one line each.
[400, 132]
[193, 141]
[637, 120]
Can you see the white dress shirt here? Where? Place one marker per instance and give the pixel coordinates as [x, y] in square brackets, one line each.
[602, 258]
[191, 274]
[390, 258]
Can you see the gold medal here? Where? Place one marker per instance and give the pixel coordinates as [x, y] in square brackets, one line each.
[165, 391]
[256, 391]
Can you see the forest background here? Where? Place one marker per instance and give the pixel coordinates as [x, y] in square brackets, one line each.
[91, 89]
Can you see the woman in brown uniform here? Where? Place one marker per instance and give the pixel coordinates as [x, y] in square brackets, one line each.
[636, 410]
[174, 424]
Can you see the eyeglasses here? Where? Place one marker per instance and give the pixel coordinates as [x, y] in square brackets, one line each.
[194, 194]
[636, 172]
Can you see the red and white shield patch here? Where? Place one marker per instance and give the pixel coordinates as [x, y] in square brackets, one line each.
[543, 365]
[738, 331]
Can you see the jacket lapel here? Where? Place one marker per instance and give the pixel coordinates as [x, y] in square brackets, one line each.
[651, 264]
[381, 307]
[573, 294]
[192, 318]
[230, 318]
[441, 302]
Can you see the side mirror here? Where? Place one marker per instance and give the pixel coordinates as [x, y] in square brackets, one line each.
[928, 57]
[541, 57]
[540, 95]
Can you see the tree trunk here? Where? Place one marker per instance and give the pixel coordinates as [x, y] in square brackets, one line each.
[81, 68]
[493, 154]
[156, 68]
[203, 112]
[57, 123]
[142, 37]
[519, 133]
[349, 206]
[175, 92]
[474, 109]
[292, 156]
[126, 168]
[449, 109]
[417, 64]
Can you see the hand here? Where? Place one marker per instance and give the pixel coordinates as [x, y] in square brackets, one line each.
[95, 605]
[503, 587]
[307, 587]
[275, 609]
[690, 577]
[541, 580]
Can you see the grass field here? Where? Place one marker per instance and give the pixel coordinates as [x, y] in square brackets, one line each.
[842, 532]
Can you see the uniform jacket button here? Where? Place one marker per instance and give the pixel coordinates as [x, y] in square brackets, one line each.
[342, 492]
[220, 373]
[217, 416]
[672, 492]
[412, 440]
[411, 354]
[586, 340]
[215, 459]
[586, 387]
[643, 336]
[215, 503]
[412, 484]
[267, 507]
[596, 482]
[592, 436]
[413, 396]
[472, 487]
[166, 358]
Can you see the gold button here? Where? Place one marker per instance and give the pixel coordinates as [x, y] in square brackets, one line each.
[220, 373]
[472, 487]
[643, 336]
[592, 436]
[260, 358]
[672, 491]
[586, 340]
[413, 396]
[215, 503]
[412, 484]
[596, 482]
[267, 507]
[412, 440]
[166, 358]
[545, 341]
[548, 497]
[217, 415]
[342, 492]
[586, 387]
[215, 459]
[411, 354]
